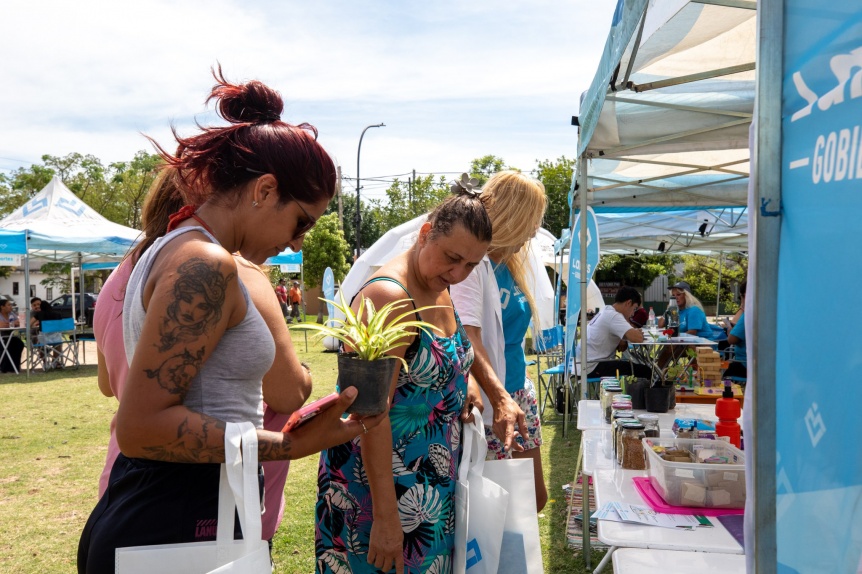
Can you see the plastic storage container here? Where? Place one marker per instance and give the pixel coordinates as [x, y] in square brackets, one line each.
[698, 484]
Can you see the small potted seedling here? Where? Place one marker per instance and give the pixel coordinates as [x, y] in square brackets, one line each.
[370, 335]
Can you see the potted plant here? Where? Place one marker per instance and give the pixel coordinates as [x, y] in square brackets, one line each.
[371, 334]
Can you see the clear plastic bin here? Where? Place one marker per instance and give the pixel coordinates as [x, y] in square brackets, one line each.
[698, 484]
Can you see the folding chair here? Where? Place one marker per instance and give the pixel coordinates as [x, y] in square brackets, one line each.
[57, 346]
[549, 358]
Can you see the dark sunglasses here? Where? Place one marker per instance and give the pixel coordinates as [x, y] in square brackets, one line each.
[302, 227]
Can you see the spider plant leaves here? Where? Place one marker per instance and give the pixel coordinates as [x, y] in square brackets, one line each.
[372, 333]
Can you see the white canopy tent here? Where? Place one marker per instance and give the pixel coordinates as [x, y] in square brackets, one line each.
[59, 226]
[664, 126]
[663, 141]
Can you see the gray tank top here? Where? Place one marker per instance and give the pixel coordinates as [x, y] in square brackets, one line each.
[229, 384]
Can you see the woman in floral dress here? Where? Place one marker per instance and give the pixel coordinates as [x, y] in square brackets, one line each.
[386, 499]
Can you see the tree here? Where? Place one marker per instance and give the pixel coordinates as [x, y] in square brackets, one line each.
[17, 188]
[372, 222]
[407, 200]
[484, 167]
[701, 272]
[557, 179]
[634, 271]
[57, 276]
[324, 247]
[128, 188]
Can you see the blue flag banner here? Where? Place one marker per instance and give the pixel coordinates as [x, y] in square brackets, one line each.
[329, 290]
[286, 257]
[818, 464]
[573, 302]
[12, 242]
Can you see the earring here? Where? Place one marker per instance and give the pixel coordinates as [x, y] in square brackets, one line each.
[254, 204]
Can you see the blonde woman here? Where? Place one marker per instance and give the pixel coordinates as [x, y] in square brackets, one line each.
[692, 318]
[496, 303]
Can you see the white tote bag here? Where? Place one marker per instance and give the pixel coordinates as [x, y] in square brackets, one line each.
[480, 507]
[238, 489]
[522, 551]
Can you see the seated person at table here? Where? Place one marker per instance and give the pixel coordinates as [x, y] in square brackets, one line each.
[11, 361]
[609, 332]
[736, 337]
[692, 319]
[639, 318]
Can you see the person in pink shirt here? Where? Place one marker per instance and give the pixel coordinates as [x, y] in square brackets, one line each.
[113, 365]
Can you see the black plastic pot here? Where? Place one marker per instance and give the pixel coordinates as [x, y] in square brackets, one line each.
[371, 379]
[637, 390]
[656, 399]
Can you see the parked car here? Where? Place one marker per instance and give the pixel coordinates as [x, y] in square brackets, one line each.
[63, 306]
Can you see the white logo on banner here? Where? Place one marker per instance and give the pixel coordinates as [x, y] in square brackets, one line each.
[837, 155]
[815, 425]
[783, 489]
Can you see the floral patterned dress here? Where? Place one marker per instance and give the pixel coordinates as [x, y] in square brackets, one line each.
[426, 451]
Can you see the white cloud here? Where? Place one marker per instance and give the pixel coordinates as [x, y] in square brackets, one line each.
[453, 81]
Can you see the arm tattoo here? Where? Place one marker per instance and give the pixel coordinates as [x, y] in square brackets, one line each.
[274, 450]
[199, 295]
[193, 444]
[176, 373]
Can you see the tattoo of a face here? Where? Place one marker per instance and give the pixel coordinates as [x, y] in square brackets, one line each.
[200, 439]
[199, 295]
[175, 374]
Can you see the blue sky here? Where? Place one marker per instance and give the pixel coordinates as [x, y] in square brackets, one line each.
[452, 80]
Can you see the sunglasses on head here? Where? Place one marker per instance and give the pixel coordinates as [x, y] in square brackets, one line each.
[302, 226]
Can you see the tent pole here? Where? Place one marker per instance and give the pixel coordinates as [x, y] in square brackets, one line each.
[582, 197]
[82, 308]
[763, 303]
[718, 289]
[27, 311]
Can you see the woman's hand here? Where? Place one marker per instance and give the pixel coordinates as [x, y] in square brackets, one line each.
[328, 429]
[386, 545]
[474, 399]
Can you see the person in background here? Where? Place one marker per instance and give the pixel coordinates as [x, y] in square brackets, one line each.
[692, 318]
[295, 296]
[496, 305]
[11, 362]
[35, 307]
[639, 318]
[259, 185]
[611, 331]
[564, 301]
[281, 293]
[388, 499]
[736, 337]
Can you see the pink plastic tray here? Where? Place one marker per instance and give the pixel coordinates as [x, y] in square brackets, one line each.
[657, 503]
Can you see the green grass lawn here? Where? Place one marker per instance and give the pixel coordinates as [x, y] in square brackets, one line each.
[53, 437]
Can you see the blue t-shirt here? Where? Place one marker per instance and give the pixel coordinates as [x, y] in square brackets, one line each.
[739, 354]
[693, 318]
[516, 320]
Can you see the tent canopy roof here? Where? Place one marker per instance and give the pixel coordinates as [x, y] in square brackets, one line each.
[665, 121]
[55, 220]
[664, 125]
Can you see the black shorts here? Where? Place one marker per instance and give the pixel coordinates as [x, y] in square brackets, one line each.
[151, 502]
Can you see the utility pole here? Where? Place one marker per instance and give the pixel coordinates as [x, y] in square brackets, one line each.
[340, 205]
[412, 195]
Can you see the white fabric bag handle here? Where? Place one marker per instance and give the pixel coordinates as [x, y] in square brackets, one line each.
[238, 487]
[473, 444]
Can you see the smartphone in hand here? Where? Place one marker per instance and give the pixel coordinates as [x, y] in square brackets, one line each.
[308, 412]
